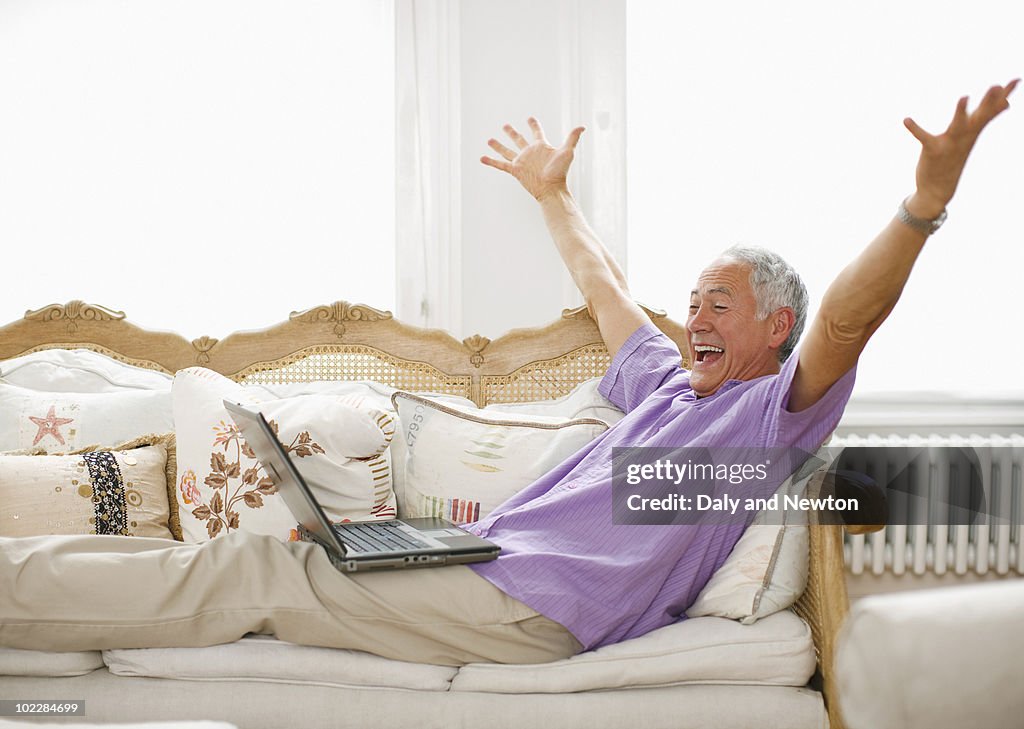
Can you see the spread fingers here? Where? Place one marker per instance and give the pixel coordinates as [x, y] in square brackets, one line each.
[501, 149]
[497, 164]
[515, 136]
[538, 131]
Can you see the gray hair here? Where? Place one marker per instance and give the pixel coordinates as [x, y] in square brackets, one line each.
[776, 284]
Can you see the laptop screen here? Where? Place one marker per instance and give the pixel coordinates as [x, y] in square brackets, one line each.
[280, 469]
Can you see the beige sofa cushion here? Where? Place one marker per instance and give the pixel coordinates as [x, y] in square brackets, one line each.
[144, 725]
[17, 662]
[776, 650]
[263, 658]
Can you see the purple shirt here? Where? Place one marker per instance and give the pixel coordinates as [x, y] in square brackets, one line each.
[560, 552]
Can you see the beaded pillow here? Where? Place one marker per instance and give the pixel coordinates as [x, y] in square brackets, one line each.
[119, 491]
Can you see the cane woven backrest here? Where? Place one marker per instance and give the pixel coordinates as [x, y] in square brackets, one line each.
[346, 342]
[347, 363]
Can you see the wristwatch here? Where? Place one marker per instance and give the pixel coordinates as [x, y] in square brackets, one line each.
[921, 225]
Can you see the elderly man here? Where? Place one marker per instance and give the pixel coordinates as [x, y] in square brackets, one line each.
[567, 579]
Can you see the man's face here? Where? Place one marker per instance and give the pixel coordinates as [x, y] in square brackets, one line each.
[726, 340]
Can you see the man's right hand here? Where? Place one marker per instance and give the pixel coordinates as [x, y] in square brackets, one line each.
[539, 167]
[542, 169]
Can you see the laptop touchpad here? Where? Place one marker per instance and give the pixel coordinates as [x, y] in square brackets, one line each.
[442, 533]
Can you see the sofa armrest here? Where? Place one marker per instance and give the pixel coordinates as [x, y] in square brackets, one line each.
[941, 658]
[825, 604]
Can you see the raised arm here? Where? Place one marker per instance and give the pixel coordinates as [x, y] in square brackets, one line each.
[862, 296]
[542, 170]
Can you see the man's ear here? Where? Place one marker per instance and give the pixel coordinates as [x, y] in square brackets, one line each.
[783, 320]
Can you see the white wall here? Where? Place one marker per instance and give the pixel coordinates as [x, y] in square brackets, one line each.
[781, 125]
[204, 165]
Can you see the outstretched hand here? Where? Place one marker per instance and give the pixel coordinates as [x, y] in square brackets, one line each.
[538, 166]
[943, 156]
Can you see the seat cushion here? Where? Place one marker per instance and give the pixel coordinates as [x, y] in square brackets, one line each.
[145, 725]
[263, 658]
[17, 662]
[776, 650]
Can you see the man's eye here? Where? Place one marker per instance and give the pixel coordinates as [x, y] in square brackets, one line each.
[693, 308]
[721, 307]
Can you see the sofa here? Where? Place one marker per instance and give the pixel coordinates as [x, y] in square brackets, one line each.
[757, 651]
[940, 658]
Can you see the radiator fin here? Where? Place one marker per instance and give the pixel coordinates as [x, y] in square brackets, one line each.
[990, 546]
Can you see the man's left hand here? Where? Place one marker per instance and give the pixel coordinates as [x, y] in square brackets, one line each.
[943, 156]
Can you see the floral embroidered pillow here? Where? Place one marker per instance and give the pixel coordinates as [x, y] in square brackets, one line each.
[58, 422]
[340, 444]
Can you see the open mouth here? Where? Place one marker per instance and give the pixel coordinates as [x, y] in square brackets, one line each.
[707, 354]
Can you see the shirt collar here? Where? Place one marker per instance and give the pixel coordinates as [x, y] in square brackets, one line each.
[691, 396]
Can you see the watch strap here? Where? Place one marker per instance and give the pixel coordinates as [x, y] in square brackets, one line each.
[921, 225]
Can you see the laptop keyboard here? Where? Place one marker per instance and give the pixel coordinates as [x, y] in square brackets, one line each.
[378, 537]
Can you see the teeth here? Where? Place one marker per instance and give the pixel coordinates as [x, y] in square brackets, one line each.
[706, 348]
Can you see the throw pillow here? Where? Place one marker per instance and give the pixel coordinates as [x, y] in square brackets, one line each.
[79, 370]
[58, 422]
[121, 491]
[583, 402]
[767, 569]
[340, 444]
[460, 464]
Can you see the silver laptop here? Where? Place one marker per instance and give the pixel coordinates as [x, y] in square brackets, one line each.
[357, 546]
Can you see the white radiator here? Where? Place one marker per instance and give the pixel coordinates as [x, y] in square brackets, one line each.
[991, 544]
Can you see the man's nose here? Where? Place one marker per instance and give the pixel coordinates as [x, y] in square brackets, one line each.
[698, 321]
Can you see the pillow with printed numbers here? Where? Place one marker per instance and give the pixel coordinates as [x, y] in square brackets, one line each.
[460, 464]
[339, 444]
[58, 422]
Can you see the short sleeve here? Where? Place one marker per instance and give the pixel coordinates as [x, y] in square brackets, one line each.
[642, 365]
[809, 428]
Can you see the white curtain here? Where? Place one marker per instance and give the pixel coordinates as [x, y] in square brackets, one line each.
[428, 194]
[472, 254]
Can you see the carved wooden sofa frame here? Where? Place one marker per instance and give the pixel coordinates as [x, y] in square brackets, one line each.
[343, 341]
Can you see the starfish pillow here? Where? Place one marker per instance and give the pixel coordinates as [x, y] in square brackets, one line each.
[57, 422]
